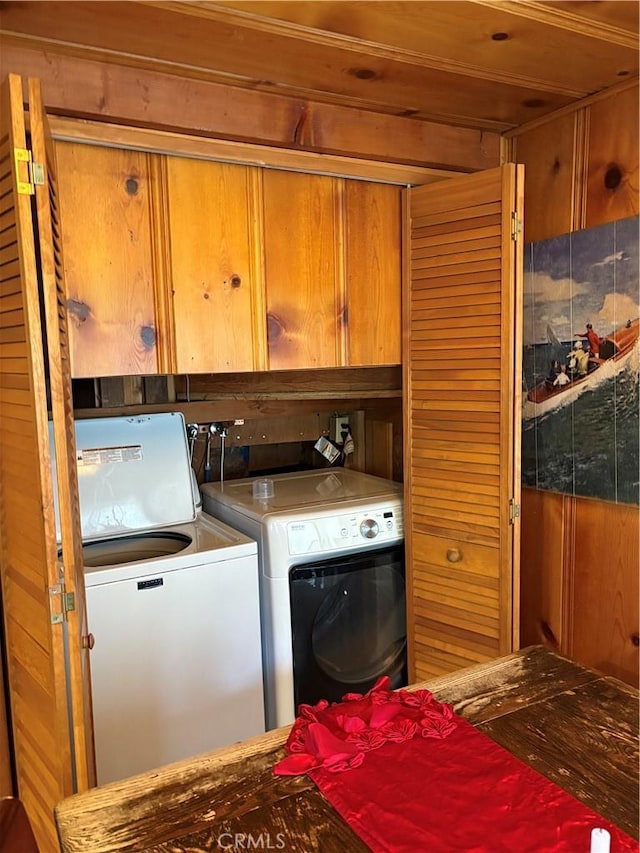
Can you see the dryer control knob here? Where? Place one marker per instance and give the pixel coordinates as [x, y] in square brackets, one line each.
[369, 528]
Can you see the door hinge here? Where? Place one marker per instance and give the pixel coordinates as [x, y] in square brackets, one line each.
[35, 172]
[516, 226]
[514, 511]
[61, 602]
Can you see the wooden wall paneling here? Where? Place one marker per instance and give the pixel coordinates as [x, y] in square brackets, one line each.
[216, 279]
[381, 382]
[357, 459]
[29, 556]
[303, 270]
[160, 257]
[206, 410]
[612, 163]
[606, 143]
[106, 215]
[549, 154]
[120, 93]
[604, 592]
[373, 273]
[542, 569]
[461, 447]
[379, 448]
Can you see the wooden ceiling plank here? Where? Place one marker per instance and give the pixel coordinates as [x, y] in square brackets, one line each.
[569, 16]
[506, 83]
[491, 65]
[451, 36]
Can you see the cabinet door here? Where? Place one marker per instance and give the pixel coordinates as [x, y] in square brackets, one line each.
[462, 382]
[304, 281]
[215, 266]
[373, 246]
[105, 204]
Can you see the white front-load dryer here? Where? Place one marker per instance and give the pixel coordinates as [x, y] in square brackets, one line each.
[332, 582]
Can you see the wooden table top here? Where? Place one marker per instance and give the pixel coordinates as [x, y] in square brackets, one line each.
[568, 722]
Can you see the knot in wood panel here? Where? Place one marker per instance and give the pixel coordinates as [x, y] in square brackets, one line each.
[148, 336]
[80, 311]
[613, 176]
[131, 185]
[275, 328]
[364, 73]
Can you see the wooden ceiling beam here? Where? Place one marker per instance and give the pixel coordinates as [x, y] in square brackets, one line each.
[123, 95]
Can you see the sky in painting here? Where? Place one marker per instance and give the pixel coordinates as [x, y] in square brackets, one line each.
[589, 276]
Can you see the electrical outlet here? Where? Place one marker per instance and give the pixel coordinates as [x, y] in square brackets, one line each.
[339, 428]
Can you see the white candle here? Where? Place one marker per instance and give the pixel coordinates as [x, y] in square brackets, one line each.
[600, 840]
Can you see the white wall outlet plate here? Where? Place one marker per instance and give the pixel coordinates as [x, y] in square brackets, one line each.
[339, 428]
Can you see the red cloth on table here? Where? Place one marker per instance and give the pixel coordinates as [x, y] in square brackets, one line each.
[410, 776]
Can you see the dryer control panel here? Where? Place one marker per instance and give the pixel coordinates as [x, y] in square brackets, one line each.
[356, 530]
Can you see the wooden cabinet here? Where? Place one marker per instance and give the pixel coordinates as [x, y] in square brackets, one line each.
[107, 234]
[184, 265]
[372, 249]
[215, 264]
[332, 271]
[462, 378]
[303, 269]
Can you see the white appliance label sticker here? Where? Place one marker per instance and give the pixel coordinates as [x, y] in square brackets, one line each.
[109, 455]
[303, 537]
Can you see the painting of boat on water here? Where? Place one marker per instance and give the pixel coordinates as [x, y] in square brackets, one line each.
[581, 363]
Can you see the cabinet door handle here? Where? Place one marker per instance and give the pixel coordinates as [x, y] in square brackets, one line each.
[88, 641]
[454, 555]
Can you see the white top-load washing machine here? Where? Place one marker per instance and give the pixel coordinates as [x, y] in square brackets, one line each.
[172, 601]
[331, 554]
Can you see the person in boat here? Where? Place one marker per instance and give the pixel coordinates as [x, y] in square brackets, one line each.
[562, 378]
[554, 370]
[593, 338]
[578, 360]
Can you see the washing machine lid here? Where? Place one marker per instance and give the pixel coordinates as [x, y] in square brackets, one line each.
[133, 474]
[301, 490]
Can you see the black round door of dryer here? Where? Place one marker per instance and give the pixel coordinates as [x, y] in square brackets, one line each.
[348, 621]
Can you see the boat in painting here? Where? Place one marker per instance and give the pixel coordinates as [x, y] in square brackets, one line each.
[616, 351]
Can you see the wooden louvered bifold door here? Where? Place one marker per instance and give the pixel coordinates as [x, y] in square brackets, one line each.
[61, 403]
[33, 623]
[462, 377]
